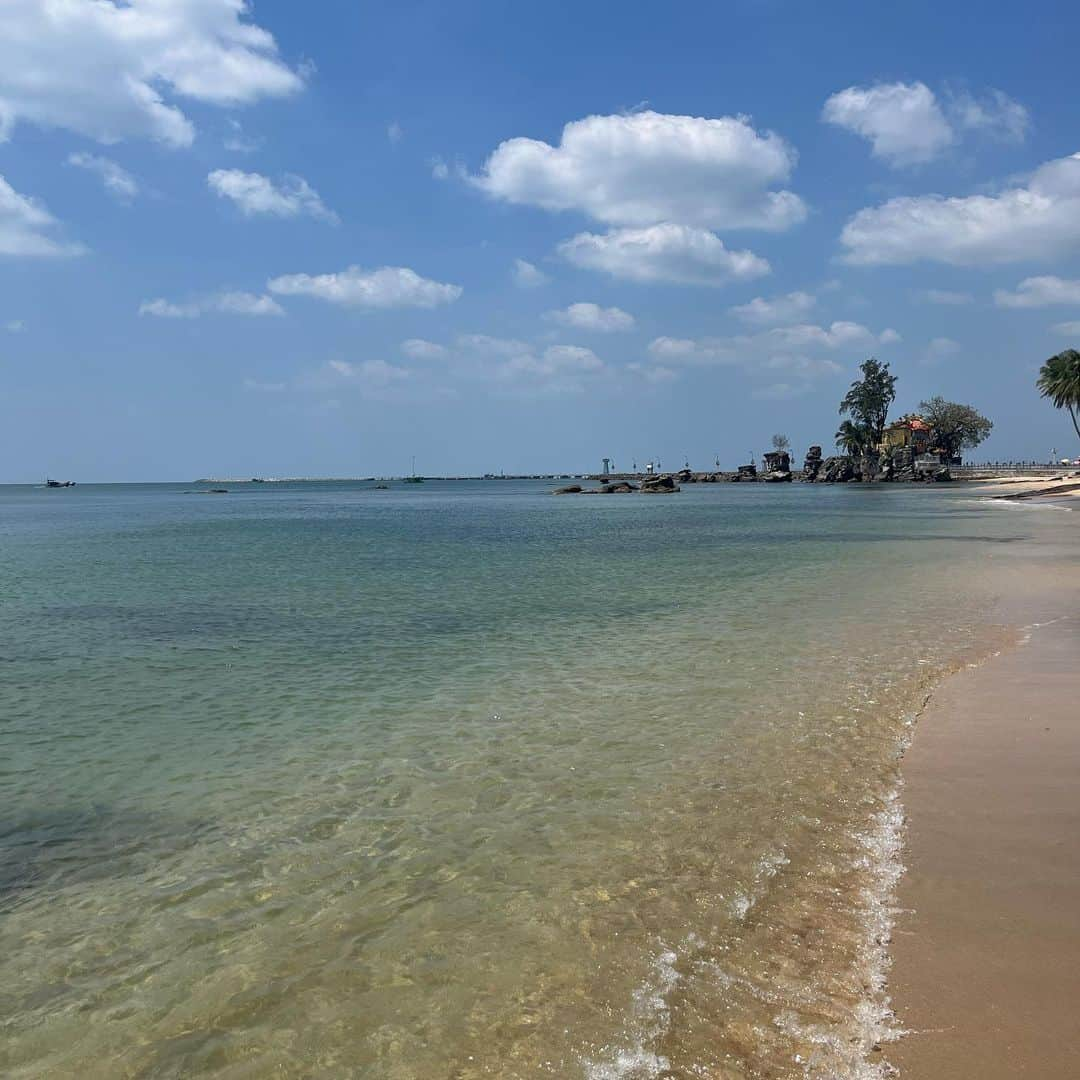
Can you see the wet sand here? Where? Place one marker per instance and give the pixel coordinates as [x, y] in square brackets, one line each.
[986, 949]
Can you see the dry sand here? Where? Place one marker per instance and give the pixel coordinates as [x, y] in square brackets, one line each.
[986, 972]
[1012, 487]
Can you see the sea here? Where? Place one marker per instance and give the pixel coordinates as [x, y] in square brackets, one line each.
[461, 780]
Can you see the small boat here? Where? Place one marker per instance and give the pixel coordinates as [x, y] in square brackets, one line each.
[59, 483]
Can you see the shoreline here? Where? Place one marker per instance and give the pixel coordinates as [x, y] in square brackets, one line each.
[985, 955]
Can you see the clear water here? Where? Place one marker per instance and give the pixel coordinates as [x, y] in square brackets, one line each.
[463, 780]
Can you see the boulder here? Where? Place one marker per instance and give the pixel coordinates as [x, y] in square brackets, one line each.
[746, 472]
[837, 470]
[572, 489]
[812, 464]
[778, 476]
[659, 485]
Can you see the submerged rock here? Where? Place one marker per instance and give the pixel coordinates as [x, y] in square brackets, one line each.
[570, 489]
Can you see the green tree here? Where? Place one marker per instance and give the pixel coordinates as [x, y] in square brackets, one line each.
[781, 443]
[1059, 380]
[851, 438]
[868, 401]
[955, 426]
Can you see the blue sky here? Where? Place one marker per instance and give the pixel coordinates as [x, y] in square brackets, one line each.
[320, 239]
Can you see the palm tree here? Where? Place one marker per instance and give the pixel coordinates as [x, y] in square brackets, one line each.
[1059, 380]
[851, 438]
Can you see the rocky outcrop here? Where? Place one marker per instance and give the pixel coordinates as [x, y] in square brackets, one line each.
[746, 472]
[571, 489]
[659, 485]
[812, 464]
[838, 470]
[777, 467]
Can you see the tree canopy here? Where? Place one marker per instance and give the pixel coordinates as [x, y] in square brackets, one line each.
[955, 426]
[1059, 380]
[781, 443]
[851, 438]
[868, 401]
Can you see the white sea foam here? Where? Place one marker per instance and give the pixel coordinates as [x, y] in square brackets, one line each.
[649, 1018]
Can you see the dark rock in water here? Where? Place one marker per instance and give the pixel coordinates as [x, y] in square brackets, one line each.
[777, 461]
[837, 470]
[572, 489]
[746, 472]
[812, 464]
[659, 485]
[620, 487]
[937, 474]
[777, 476]
[685, 476]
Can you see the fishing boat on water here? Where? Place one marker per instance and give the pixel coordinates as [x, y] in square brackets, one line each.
[59, 483]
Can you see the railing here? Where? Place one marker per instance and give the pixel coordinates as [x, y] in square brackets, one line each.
[1011, 468]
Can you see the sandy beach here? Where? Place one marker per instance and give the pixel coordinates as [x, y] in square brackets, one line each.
[1021, 487]
[986, 971]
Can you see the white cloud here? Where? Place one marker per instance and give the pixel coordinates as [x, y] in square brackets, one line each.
[528, 276]
[946, 298]
[585, 316]
[994, 113]
[118, 181]
[903, 121]
[387, 287]
[647, 167]
[889, 337]
[244, 303]
[15, 326]
[654, 373]
[1067, 329]
[795, 351]
[395, 132]
[778, 309]
[673, 253]
[838, 335]
[372, 372]
[1040, 220]
[226, 303]
[940, 348]
[1036, 292]
[255, 194]
[102, 69]
[25, 226]
[419, 349]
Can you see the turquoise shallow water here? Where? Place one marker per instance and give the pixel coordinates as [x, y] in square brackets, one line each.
[460, 779]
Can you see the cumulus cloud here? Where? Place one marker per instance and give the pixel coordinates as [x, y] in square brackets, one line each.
[387, 287]
[1036, 292]
[585, 316]
[27, 228]
[226, 303]
[419, 349]
[667, 252]
[255, 194]
[528, 276]
[903, 121]
[838, 335]
[647, 167]
[778, 309]
[800, 353]
[118, 181]
[1038, 220]
[906, 124]
[105, 69]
